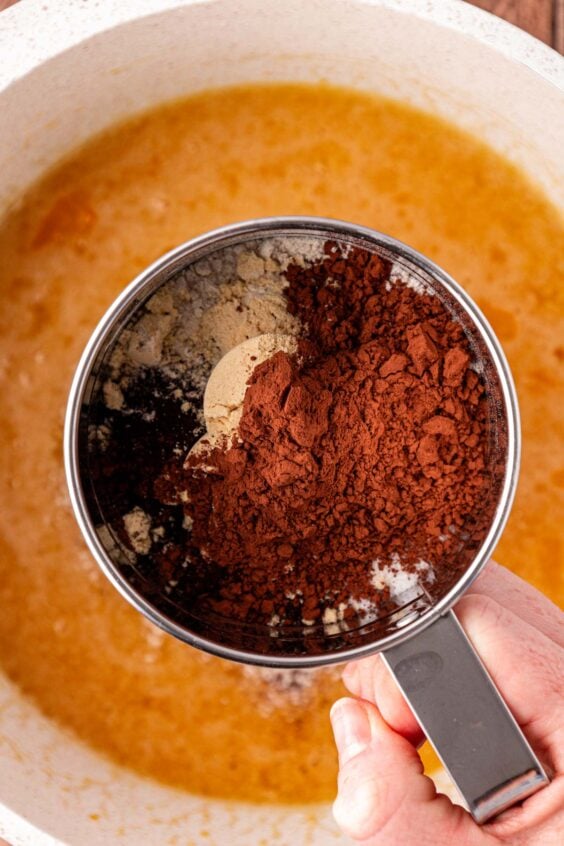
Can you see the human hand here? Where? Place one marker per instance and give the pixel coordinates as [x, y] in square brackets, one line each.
[385, 800]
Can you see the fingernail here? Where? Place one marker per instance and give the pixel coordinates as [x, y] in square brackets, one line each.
[351, 728]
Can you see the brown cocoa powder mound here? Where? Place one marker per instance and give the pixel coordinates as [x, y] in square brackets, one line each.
[370, 443]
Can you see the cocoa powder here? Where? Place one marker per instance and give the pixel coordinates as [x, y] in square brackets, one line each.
[365, 451]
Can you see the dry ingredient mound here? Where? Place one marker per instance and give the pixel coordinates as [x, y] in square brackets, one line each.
[362, 454]
[193, 320]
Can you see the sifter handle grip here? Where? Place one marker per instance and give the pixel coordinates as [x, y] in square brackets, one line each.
[465, 719]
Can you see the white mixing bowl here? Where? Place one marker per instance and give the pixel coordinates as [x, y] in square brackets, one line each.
[70, 69]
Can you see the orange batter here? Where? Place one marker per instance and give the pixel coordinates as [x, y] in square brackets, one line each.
[69, 640]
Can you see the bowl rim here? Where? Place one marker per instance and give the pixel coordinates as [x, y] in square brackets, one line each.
[30, 37]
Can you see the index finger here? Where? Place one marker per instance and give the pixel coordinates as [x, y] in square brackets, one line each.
[521, 598]
[370, 679]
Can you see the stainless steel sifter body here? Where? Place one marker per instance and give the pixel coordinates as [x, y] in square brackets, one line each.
[425, 648]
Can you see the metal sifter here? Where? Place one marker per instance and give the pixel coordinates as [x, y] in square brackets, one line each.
[426, 650]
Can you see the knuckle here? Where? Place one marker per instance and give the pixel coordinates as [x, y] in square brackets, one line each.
[361, 809]
[479, 607]
[356, 814]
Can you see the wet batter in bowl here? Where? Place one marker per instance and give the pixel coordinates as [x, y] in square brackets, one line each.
[66, 637]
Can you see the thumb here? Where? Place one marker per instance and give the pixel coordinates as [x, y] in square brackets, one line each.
[384, 799]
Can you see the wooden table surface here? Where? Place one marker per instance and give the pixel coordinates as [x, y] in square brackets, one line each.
[542, 18]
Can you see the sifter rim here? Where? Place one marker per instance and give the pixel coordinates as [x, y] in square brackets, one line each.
[160, 272]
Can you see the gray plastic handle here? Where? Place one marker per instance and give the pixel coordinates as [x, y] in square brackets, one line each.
[465, 719]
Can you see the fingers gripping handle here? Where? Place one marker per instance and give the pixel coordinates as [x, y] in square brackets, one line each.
[465, 719]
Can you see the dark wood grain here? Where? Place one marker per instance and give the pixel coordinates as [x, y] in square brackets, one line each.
[534, 16]
[558, 26]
